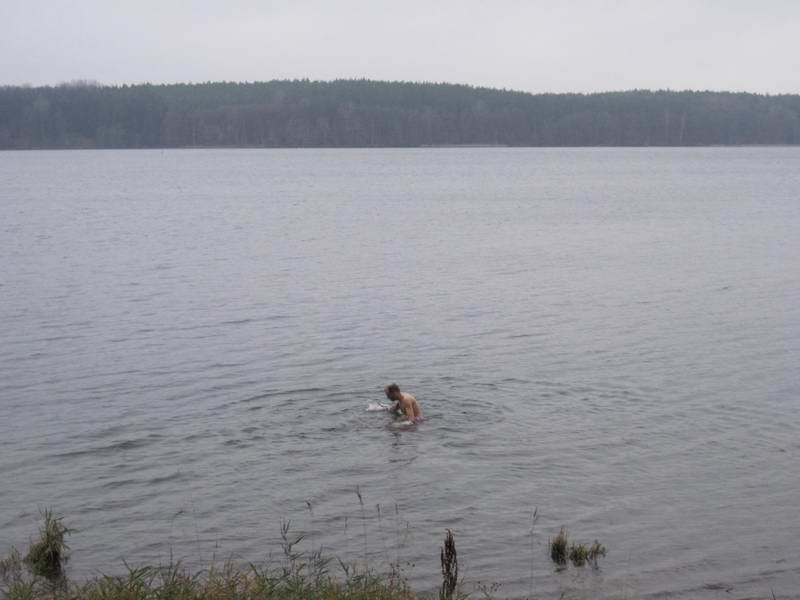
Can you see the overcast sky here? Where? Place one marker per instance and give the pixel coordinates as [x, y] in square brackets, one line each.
[567, 45]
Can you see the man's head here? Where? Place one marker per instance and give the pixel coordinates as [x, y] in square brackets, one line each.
[392, 391]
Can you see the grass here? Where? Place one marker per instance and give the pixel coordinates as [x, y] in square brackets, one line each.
[449, 560]
[228, 582]
[559, 548]
[562, 550]
[596, 550]
[298, 580]
[534, 517]
[49, 554]
[578, 554]
[299, 575]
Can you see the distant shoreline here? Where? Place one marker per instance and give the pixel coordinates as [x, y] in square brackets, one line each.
[425, 147]
[367, 114]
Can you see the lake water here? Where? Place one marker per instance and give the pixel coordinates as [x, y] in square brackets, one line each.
[190, 340]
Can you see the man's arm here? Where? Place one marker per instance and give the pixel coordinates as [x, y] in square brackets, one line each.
[404, 408]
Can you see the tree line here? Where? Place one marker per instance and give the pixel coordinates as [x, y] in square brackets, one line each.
[364, 113]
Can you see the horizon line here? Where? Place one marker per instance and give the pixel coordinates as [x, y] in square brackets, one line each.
[93, 83]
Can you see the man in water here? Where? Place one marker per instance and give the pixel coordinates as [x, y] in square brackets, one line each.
[403, 402]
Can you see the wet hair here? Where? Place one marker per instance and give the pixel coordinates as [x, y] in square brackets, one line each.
[392, 389]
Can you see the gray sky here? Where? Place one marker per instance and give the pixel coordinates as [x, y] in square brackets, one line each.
[571, 45]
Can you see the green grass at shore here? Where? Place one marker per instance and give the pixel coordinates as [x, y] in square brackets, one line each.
[299, 581]
[41, 574]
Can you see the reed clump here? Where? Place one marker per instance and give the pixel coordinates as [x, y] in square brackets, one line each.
[578, 554]
[596, 550]
[449, 561]
[559, 548]
[561, 551]
[48, 555]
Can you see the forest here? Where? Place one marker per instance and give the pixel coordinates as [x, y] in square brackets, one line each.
[365, 113]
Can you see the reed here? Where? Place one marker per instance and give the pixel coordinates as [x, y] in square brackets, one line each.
[561, 551]
[578, 554]
[363, 523]
[559, 548]
[534, 518]
[596, 551]
[48, 555]
[449, 560]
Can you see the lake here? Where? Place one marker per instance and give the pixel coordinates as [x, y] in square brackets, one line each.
[190, 339]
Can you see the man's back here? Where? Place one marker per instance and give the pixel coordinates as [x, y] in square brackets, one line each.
[410, 406]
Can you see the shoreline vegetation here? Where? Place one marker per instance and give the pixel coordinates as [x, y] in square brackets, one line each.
[41, 573]
[364, 114]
